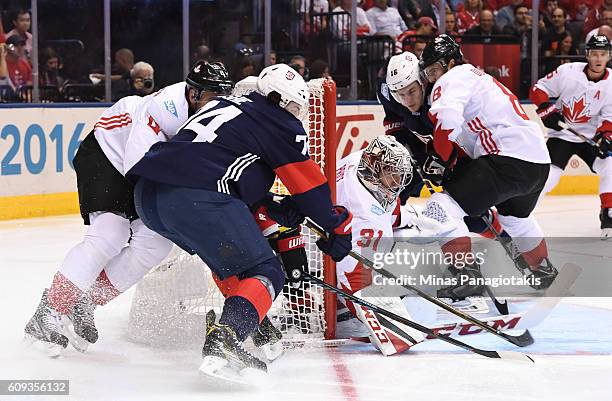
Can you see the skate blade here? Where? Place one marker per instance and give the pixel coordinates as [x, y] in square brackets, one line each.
[219, 369]
[77, 342]
[48, 349]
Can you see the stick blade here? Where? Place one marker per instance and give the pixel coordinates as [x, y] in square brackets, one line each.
[522, 340]
[506, 355]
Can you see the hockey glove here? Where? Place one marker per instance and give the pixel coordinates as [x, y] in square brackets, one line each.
[290, 246]
[550, 115]
[284, 211]
[604, 140]
[339, 242]
[436, 169]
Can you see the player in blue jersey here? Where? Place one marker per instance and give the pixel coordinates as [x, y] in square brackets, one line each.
[402, 95]
[197, 190]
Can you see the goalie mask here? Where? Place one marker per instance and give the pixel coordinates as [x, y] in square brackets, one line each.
[282, 84]
[385, 169]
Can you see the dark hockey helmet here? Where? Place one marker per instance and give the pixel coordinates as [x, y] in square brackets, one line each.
[441, 49]
[598, 42]
[212, 77]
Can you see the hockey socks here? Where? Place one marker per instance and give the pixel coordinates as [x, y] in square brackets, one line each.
[103, 291]
[63, 294]
[245, 306]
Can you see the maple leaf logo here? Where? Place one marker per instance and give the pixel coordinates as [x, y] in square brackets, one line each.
[576, 111]
[438, 127]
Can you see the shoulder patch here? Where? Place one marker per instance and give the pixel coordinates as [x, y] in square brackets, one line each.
[377, 210]
[171, 107]
[384, 90]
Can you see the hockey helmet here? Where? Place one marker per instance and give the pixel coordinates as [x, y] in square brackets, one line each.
[283, 85]
[385, 169]
[441, 49]
[599, 42]
[403, 70]
[212, 77]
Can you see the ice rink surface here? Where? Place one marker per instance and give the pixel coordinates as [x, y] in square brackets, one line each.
[573, 348]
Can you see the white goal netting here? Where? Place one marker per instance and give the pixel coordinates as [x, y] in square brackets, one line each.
[170, 303]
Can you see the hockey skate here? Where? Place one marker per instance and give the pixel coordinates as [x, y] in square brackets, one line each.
[605, 216]
[268, 338]
[80, 327]
[46, 327]
[463, 288]
[224, 357]
[546, 274]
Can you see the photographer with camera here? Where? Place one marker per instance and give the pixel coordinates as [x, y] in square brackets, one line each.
[140, 82]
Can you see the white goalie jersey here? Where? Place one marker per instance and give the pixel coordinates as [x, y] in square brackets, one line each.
[480, 115]
[372, 224]
[586, 105]
[127, 129]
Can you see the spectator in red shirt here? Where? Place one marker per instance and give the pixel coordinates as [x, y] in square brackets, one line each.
[20, 71]
[594, 16]
[22, 24]
[469, 16]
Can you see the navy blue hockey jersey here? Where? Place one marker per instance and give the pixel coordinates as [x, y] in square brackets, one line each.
[411, 129]
[237, 145]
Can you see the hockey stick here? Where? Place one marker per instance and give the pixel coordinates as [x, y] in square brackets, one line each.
[584, 138]
[501, 307]
[489, 354]
[522, 340]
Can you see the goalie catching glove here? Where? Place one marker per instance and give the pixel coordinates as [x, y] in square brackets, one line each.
[290, 246]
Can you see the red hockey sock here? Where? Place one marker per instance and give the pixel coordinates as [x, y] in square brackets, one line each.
[458, 249]
[103, 291]
[606, 200]
[63, 294]
[535, 257]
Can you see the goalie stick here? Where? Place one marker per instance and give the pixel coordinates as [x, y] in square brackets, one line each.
[486, 353]
[522, 340]
[502, 307]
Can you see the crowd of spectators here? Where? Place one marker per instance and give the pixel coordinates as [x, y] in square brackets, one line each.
[324, 27]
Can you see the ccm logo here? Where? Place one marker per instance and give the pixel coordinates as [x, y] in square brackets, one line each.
[379, 332]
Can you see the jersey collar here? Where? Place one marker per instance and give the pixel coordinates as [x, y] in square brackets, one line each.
[605, 75]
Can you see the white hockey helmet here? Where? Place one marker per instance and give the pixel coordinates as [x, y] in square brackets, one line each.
[287, 83]
[403, 70]
[385, 169]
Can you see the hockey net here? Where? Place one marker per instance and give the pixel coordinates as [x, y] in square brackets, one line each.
[170, 303]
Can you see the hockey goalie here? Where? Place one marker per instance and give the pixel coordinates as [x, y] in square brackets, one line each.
[369, 182]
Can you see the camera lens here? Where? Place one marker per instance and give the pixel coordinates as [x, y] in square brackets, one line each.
[147, 83]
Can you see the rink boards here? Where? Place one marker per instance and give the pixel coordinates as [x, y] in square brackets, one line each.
[37, 145]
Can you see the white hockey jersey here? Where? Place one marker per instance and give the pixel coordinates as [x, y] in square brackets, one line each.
[372, 225]
[480, 115]
[127, 129]
[586, 105]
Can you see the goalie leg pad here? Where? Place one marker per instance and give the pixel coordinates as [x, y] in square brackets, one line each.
[389, 337]
[443, 208]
